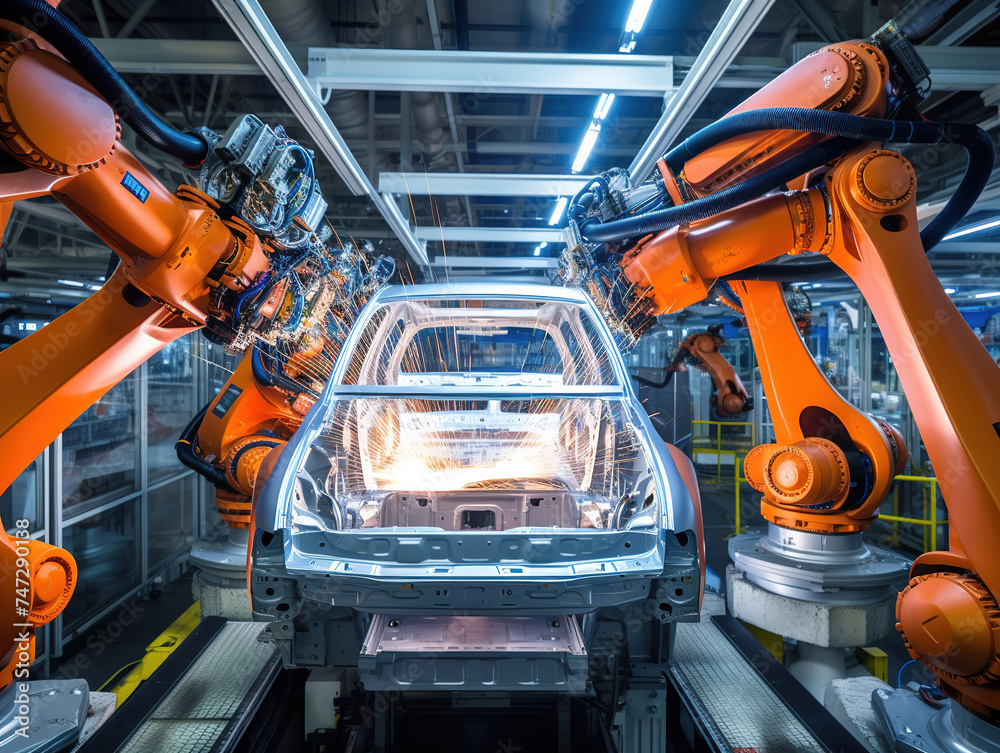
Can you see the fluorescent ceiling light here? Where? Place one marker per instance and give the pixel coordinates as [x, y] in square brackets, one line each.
[628, 46]
[543, 244]
[637, 16]
[972, 229]
[557, 213]
[603, 106]
[950, 291]
[538, 250]
[987, 295]
[589, 139]
[74, 283]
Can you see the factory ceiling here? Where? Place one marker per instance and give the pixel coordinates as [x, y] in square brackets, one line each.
[448, 130]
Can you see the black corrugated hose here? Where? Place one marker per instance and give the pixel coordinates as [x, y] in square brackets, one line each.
[40, 17]
[797, 272]
[186, 454]
[729, 198]
[851, 129]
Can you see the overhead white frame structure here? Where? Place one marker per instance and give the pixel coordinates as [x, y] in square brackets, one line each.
[480, 184]
[482, 73]
[255, 31]
[738, 22]
[531, 235]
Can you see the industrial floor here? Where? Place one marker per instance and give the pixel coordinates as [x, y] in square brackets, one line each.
[97, 657]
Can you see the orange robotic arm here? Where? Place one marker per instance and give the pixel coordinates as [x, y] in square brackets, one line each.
[702, 350]
[806, 485]
[703, 347]
[159, 293]
[247, 257]
[833, 466]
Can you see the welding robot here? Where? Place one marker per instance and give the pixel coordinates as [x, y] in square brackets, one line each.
[799, 168]
[244, 254]
[802, 168]
[701, 350]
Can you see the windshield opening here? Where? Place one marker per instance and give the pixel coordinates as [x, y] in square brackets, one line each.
[475, 465]
[524, 342]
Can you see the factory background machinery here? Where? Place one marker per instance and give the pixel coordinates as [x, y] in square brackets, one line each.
[329, 148]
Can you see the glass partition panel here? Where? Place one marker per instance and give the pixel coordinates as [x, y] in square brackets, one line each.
[172, 401]
[23, 500]
[99, 448]
[107, 555]
[170, 515]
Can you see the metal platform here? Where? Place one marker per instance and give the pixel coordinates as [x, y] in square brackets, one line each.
[914, 726]
[517, 653]
[201, 700]
[729, 693]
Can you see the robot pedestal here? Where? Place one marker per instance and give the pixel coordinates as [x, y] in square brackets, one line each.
[220, 583]
[828, 592]
[820, 624]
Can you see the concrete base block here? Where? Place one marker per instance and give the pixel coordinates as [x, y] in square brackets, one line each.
[826, 625]
[102, 706]
[712, 604]
[850, 702]
[218, 601]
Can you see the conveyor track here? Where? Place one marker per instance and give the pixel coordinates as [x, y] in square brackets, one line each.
[738, 697]
[200, 700]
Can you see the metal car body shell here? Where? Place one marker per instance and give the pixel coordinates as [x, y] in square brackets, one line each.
[325, 586]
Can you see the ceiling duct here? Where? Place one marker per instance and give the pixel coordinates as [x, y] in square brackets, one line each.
[302, 24]
[410, 30]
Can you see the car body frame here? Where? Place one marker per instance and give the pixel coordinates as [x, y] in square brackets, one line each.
[443, 521]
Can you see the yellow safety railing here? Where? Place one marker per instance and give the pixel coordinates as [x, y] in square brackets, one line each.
[930, 523]
[737, 480]
[717, 450]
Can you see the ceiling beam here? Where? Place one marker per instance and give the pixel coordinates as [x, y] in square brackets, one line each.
[162, 57]
[505, 148]
[961, 68]
[738, 22]
[952, 69]
[480, 74]
[822, 19]
[528, 235]
[494, 262]
[989, 197]
[480, 184]
[251, 25]
[969, 19]
[964, 246]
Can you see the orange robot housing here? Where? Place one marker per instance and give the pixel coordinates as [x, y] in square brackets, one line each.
[174, 249]
[854, 203]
